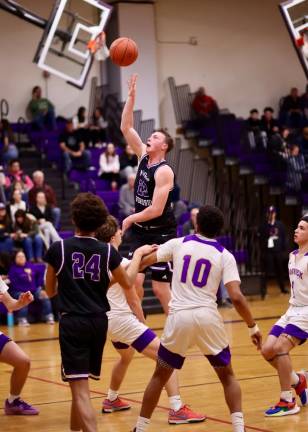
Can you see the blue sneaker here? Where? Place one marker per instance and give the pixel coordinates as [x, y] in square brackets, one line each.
[283, 408]
[301, 388]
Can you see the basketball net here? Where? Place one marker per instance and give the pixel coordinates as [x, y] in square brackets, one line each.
[98, 47]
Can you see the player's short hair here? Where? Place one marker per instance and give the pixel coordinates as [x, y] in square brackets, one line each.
[305, 218]
[168, 139]
[88, 212]
[105, 232]
[210, 221]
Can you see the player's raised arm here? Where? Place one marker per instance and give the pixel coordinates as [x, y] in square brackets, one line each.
[240, 303]
[127, 121]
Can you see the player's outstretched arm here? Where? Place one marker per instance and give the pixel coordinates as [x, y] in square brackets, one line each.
[14, 305]
[121, 277]
[127, 121]
[51, 281]
[240, 303]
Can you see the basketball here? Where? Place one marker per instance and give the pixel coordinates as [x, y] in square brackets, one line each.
[123, 51]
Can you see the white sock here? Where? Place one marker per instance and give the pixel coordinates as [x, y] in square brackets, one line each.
[175, 402]
[142, 424]
[237, 420]
[112, 395]
[11, 398]
[294, 379]
[287, 395]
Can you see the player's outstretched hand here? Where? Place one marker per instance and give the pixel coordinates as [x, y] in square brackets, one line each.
[257, 339]
[25, 298]
[146, 249]
[132, 84]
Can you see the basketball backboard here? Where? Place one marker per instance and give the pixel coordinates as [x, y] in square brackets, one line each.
[295, 14]
[63, 49]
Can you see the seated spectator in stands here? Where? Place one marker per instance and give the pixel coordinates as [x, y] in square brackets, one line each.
[127, 196]
[40, 186]
[16, 178]
[204, 106]
[41, 111]
[3, 188]
[304, 105]
[303, 143]
[281, 141]
[253, 125]
[269, 124]
[291, 113]
[98, 127]
[24, 276]
[190, 226]
[179, 206]
[295, 168]
[109, 166]
[128, 162]
[26, 235]
[81, 126]
[9, 150]
[43, 214]
[16, 203]
[74, 153]
[6, 242]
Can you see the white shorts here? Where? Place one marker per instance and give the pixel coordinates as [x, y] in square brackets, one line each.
[203, 327]
[126, 330]
[294, 323]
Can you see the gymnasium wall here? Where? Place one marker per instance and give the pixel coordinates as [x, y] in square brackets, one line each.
[18, 44]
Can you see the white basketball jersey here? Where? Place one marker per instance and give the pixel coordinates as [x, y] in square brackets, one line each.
[298, 274]
[199, 265]
[116, 297]
[3, 286]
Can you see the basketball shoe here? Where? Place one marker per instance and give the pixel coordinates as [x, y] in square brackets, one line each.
[301, 388]
[283, 408]
[116, 405]
[19, 407]
[185, 415]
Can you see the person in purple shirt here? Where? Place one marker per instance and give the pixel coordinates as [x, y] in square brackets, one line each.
[25, 276]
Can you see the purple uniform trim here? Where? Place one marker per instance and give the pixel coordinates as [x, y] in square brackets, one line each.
[120, 345]
[144, 340]
[221, 359]
[3, 341]
[295, 252]
[276, 331]
[174, 360]
[214, 243]
[295, 331]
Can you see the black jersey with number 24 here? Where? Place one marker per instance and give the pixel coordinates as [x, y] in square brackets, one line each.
[82, 265]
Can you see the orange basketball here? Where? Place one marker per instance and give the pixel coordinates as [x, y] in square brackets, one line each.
[123, 51]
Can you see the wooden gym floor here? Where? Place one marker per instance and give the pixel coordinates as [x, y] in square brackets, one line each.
[199, 385]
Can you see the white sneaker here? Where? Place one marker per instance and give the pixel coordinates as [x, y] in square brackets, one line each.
[23, 322]
[50, 319]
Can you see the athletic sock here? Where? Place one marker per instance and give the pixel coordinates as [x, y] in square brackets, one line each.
[11, 398]
[237, 420]
[287, 395]
[294, 379]
[142, 424]
[112, 395]
[175, 402]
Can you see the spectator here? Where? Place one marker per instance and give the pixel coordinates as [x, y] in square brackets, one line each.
[304, 105]
[9, 150]
[179, 206]
[26, 235]
[255, 136]
[269, 124]
[127, 197]
[295, 168]
[281, 142]
[98, 127]
[190, 226]
[3, 188]
[6, 242]
[81, 126]
[16, 178]
[109, 166]
[204, 106]
[74, 153]
[40, 185]
[273, 246]
[16, 203]
[303, 143]
[25, 276]
[291, 113]
[128, 162]
[43, 214]
[41, 111]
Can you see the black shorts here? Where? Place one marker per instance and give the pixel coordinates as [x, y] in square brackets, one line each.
[161, 272]
[82, 340]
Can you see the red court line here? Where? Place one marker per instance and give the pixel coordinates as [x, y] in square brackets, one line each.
[139, 402]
